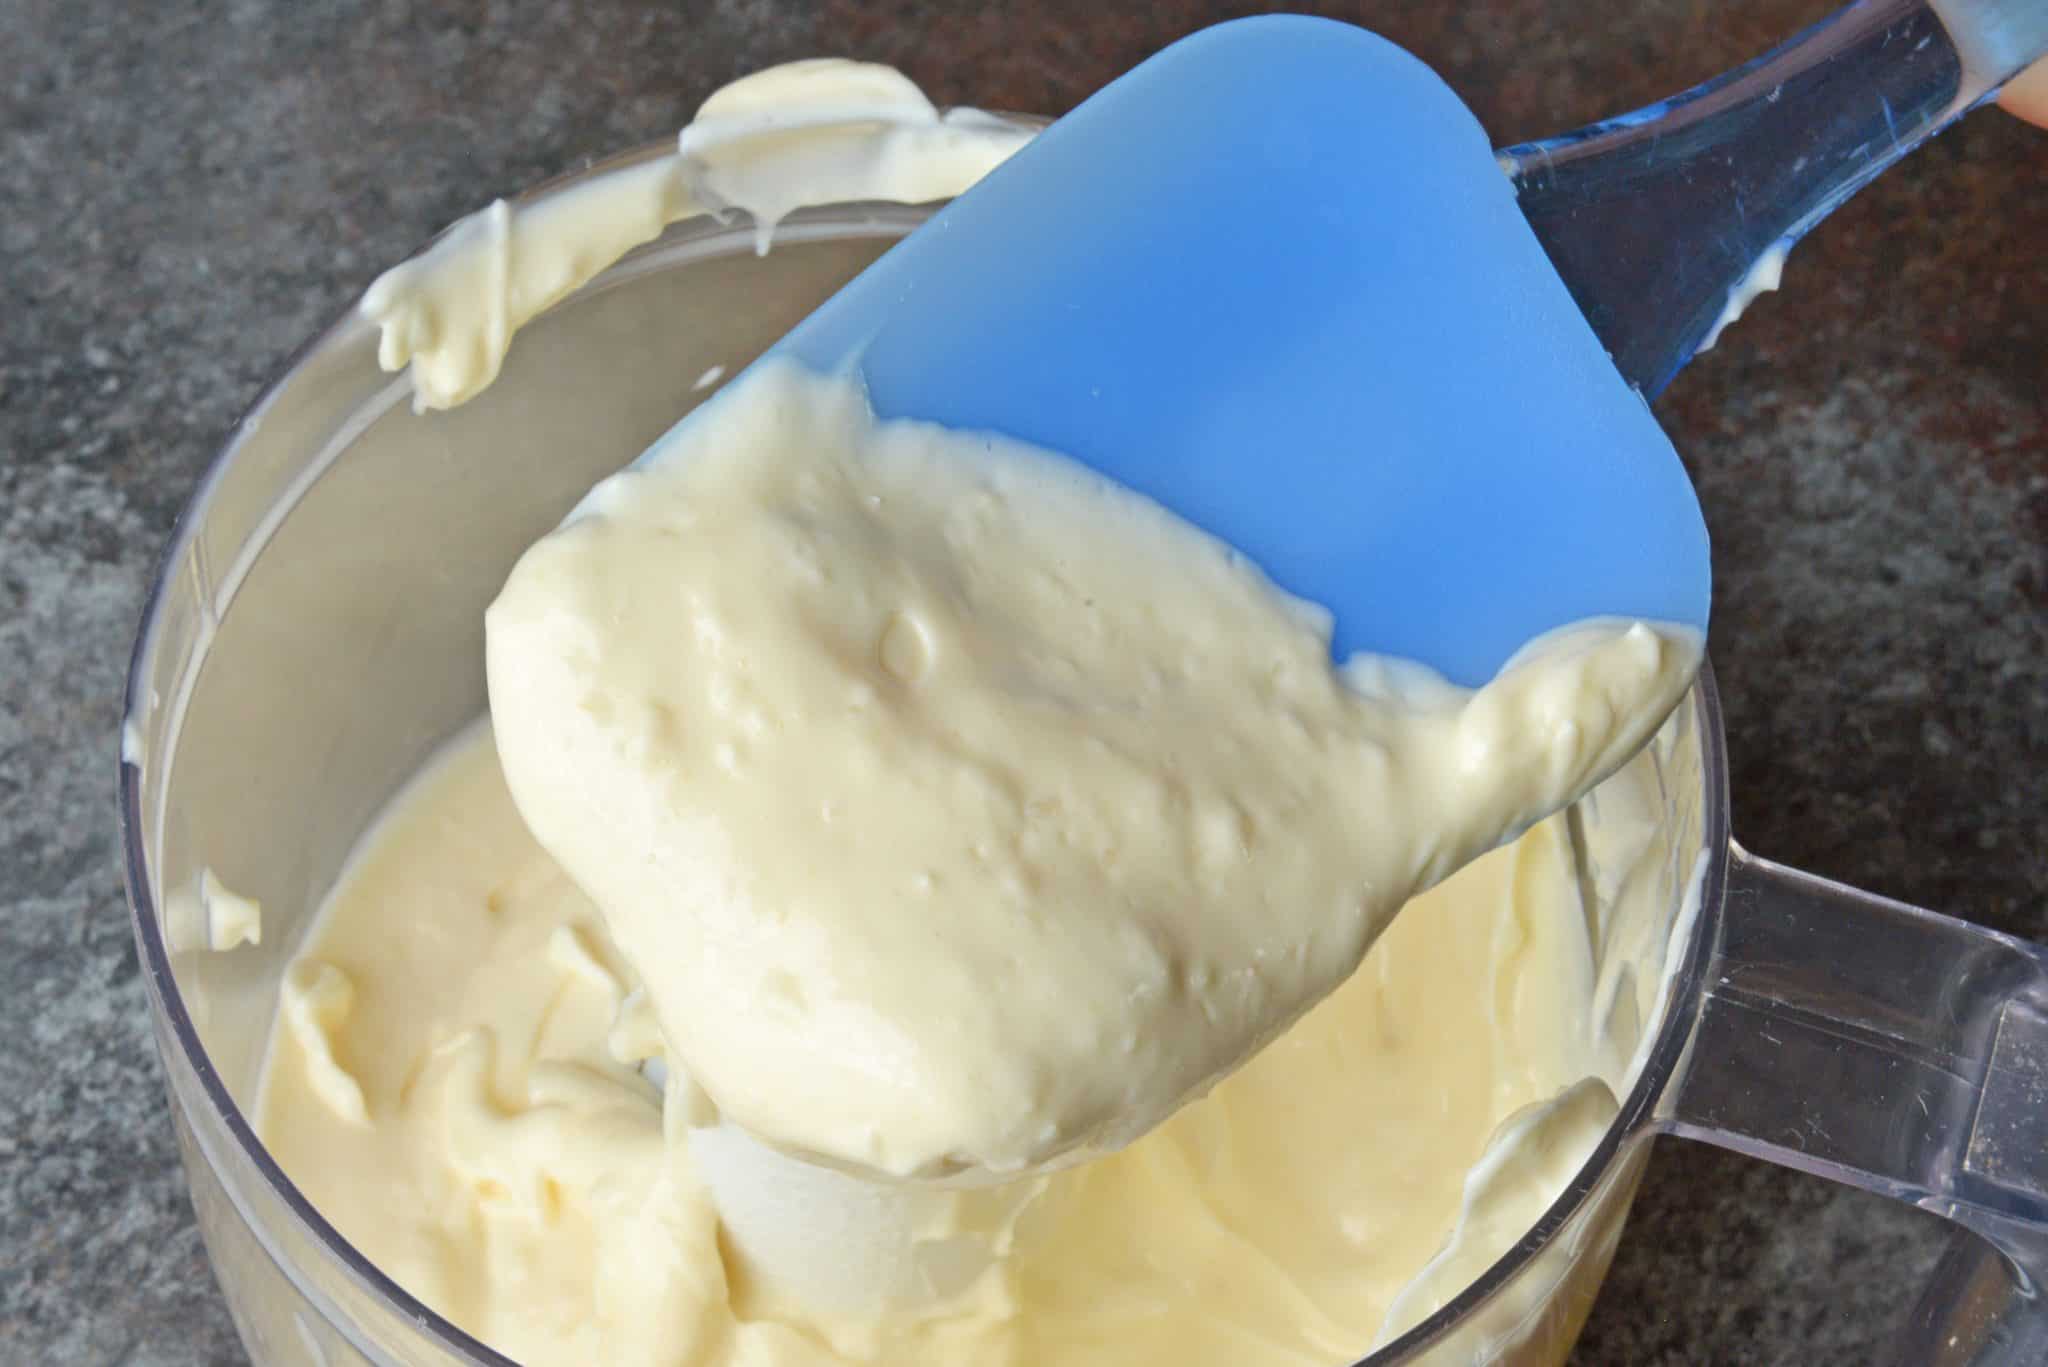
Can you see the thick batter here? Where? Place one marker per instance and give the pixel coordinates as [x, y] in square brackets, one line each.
[447, 1086]
[954, 811]
[963, 817]
[965, 813]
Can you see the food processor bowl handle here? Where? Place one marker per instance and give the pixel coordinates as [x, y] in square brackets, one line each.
[1896, 1050]
[1977, 1310]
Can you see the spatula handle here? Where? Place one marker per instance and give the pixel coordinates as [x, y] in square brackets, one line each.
[1656, 219]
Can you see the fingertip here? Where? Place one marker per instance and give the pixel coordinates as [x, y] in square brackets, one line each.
[2026, 95]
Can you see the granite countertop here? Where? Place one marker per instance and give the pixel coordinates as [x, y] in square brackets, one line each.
[191, 188]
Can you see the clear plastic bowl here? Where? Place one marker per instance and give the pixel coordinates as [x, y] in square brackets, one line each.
[315, 631]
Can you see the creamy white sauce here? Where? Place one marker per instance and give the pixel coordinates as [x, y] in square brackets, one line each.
[965, 814]
[1063, 1011]
[453, 1084]
[818, 132]
[209, 915]
[1762, 278]
[231, 919]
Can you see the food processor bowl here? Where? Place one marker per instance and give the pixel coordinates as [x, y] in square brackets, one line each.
[316, 630]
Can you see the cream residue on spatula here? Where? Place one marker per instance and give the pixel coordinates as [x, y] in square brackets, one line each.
[964, 813]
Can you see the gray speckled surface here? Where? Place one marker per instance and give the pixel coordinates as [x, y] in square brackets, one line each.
[190, 188]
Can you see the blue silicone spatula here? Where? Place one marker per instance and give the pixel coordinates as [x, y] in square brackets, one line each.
[1276, 279]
